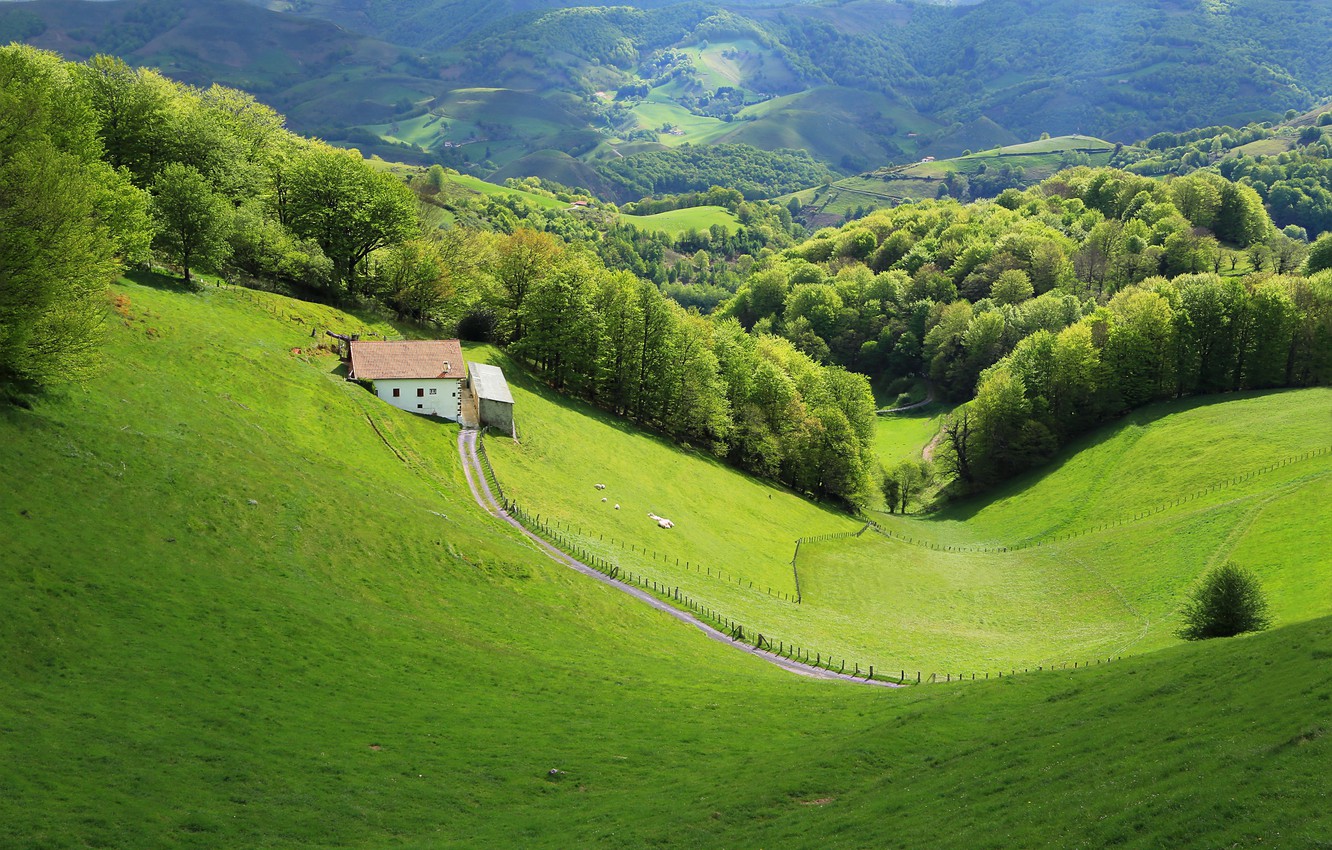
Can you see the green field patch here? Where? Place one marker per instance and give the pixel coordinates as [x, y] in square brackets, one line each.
[904, 436]
[740, 63]
[660, 111]
[723, 519]
[678, 222]
[1156, 455]
[481, 187]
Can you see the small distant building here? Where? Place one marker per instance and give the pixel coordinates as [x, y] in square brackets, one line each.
[494, 401]
[420, 375]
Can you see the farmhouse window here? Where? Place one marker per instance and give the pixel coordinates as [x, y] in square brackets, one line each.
[420, 392]
[396, 392]
[432, 390]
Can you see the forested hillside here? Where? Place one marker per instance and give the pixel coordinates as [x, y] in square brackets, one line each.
[1095, 292]
[857, 85]
[1058, 307]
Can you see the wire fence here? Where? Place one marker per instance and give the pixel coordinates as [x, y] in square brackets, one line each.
[486, 469]
[574, 544]
[818, 538]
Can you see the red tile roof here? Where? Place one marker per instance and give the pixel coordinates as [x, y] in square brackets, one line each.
[416, 358]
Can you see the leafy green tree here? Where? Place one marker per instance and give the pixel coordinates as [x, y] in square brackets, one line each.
[1013, 287]
[194, 221]
[520, 259]
[1320, 255]
[133, 110]
[903, 482]
[67, 220]
[338, 200]
[414, 279]
[56, 260]
[1230, 601]
[562, 329]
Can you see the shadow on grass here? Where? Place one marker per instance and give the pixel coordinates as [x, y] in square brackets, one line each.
[1143, 417]
[164, 282]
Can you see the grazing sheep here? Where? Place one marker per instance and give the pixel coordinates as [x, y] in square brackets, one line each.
[603, 498]
[600, 486]
[617, 507]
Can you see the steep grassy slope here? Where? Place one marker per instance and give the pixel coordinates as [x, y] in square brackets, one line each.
[723, 519]
[358, 658]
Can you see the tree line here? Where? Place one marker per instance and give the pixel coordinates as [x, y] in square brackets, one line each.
[1160, 339]
[617, 341]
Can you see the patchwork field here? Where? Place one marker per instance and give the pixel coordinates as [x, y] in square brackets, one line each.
[921, 180]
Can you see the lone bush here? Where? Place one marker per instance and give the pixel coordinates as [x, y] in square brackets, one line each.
[1229, 601]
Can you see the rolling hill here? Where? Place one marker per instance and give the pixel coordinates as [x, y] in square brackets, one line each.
[983, 587]
[984, 173]
[245, 604]
[860, 85]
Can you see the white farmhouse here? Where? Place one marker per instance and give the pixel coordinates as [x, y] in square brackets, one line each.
[423, 376]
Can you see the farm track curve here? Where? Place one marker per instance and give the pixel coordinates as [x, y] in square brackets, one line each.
[476, 482]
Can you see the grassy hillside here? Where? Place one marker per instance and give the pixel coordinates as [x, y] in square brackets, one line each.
[902, 436]
[556, 166]
[566, 448]
[677, 222]
[922, 180]
[244, 604]
[959, 595]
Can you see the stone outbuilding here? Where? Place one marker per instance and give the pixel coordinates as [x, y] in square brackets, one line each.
[420, 375]
[494, 400]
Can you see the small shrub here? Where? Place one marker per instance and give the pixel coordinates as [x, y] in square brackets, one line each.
[1230, 601]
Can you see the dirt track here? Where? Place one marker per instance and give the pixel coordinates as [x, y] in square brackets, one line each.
[476, 481]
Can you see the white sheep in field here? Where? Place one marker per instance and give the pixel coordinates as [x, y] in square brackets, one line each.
[662, 521]
[600, 486]
[617, 507]
[603, 498]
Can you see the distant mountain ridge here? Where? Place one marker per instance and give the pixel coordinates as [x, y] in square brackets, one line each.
[859, 84]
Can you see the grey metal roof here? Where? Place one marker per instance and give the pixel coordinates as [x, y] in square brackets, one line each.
[488, 383]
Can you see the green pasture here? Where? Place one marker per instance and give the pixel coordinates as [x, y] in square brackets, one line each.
[247, 605]
[748, 62]
[724, 520]
[1153, 456]
[903, 436]
[920, 180]
[659, 110]
[1263, 147]
[481, 187]
[939, 602]
[678, 222]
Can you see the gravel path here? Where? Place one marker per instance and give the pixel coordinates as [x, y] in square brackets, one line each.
[476, 481]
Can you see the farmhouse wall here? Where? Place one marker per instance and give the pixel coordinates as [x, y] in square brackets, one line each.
[497, 414]
[437, 396]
